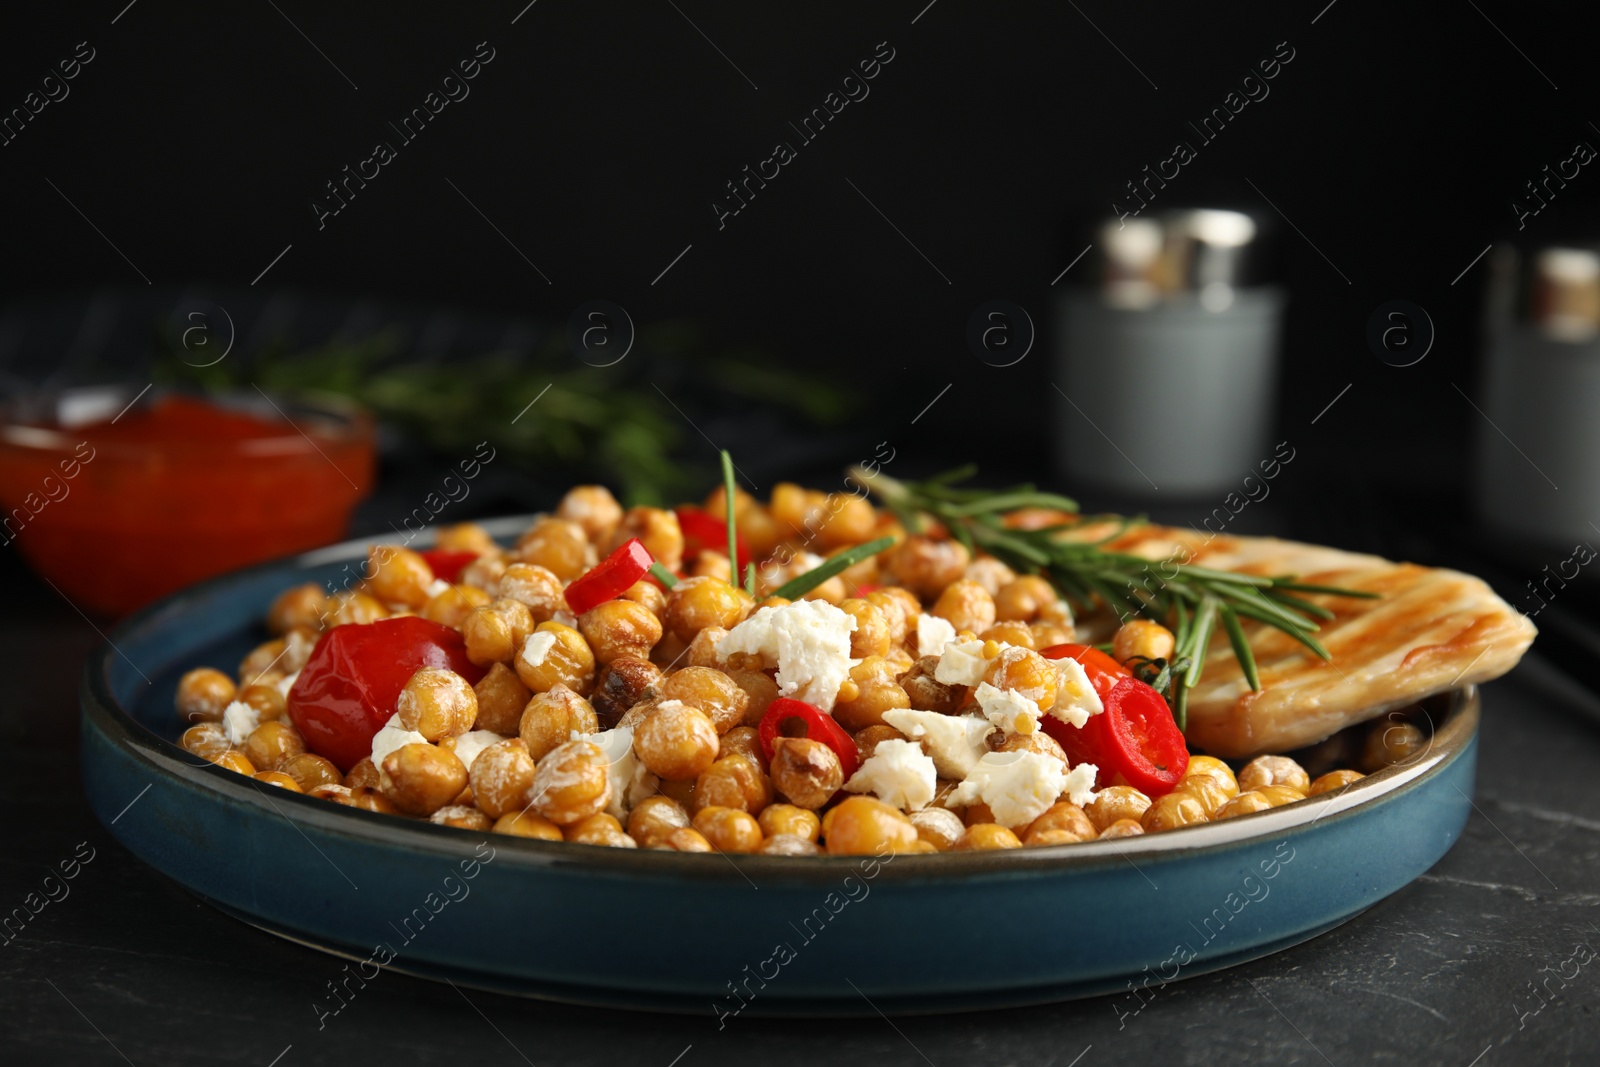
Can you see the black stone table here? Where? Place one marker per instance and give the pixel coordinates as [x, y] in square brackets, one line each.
[129, 967]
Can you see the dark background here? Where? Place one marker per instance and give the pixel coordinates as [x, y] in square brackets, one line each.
[595, 141]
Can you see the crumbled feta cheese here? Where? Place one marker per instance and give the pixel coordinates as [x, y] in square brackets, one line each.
[962, 663]
[629, 779]
[537, 647]
[1076, 699]
[565, 618]
[1006, 708]
[955, 742]
[1017, 786]
[1080, 783]
[808, 641]
[286, 683]
[897, 773]
[239, 721]
[471, 743]
[437, 586]
[391, 737]
[933, 634]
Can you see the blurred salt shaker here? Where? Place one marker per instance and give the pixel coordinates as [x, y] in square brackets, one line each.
[1539, 449]
[1167, 359]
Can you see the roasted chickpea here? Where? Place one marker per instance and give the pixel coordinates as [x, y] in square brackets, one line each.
[1038, 741]
[926, 566]
[713, 692]
[1026, 673]
[1122, 828]
[501, 697]
[847, 519]
[1061, 817]
[789, 820]
[262, 661]
[1172, 811]
[501, 777]
[571, 783]
[1028, 598]
[1333, 782]
[301, 606]
[985, 837]
[669, 652]
[234, 760]
[796, 510]
[966, 605]
[867, 740]
[464, 537]
[1280, 795]
[620, 628]
[1019, 634]
[398, 575]
[370, 800]
[1274, 770]
[271, 743]
[866, 826]
[1243, 804]
[1045, 838]
[599, 829]
[621, 684]
[697, 603]
[676, 741]
[788, 845]
[871, 635]
[896, 615]
[559, 546]
[437, 703]
[743, 741]
[926, 692]
[267, 700]
[807, 772]
[688, 839]
[1141, 639]
[653, 820]
[1214, 769]
[703, 649]
[939, 827]
[279, 779]
[527, 824]
[561, 658]
[311, 770]
[977, 814]
[760, 688]
[656, 529]
[452, 606]
[711, 564]
[461, 817]
[1046, 634]
[732, 782]
[594, 509]
[353, 606]
[337, 793]
[1114, 804]
[1389, 742]
[496, 632]
[877, 691]
[204, 694]
[364, 775]
[549, 719]
[483, 573]
[205, 740]
[422, 778]
[1206, 790]
[728, 829]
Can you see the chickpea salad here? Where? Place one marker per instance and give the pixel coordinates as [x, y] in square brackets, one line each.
[808, 675]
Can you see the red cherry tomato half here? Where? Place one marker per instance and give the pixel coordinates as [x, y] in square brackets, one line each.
[446, 564]
[786, 717]
[1134, 738]
[611, 578]
[349, 685]
[702, 531]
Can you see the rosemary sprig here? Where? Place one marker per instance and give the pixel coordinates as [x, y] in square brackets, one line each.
[1189, 599]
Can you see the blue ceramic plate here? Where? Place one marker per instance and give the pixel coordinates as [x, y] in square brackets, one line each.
[721, 934]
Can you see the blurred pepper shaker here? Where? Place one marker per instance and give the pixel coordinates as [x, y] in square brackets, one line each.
[1168, 357]
[1542, 394]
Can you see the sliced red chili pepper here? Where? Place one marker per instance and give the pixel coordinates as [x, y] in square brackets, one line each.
[702, 531]
[1133, 739]
[611, 578]
[349, 686]
[446, 564]
[787, 717]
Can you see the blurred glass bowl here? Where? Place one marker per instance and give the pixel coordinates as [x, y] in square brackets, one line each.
[187, 487]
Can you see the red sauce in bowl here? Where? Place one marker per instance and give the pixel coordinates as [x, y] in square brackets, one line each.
[119, 512]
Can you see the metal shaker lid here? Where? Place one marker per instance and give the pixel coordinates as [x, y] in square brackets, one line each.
[1201, 254]
[1554, 288]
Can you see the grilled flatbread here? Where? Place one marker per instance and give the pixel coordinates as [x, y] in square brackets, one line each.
[1430, 631]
